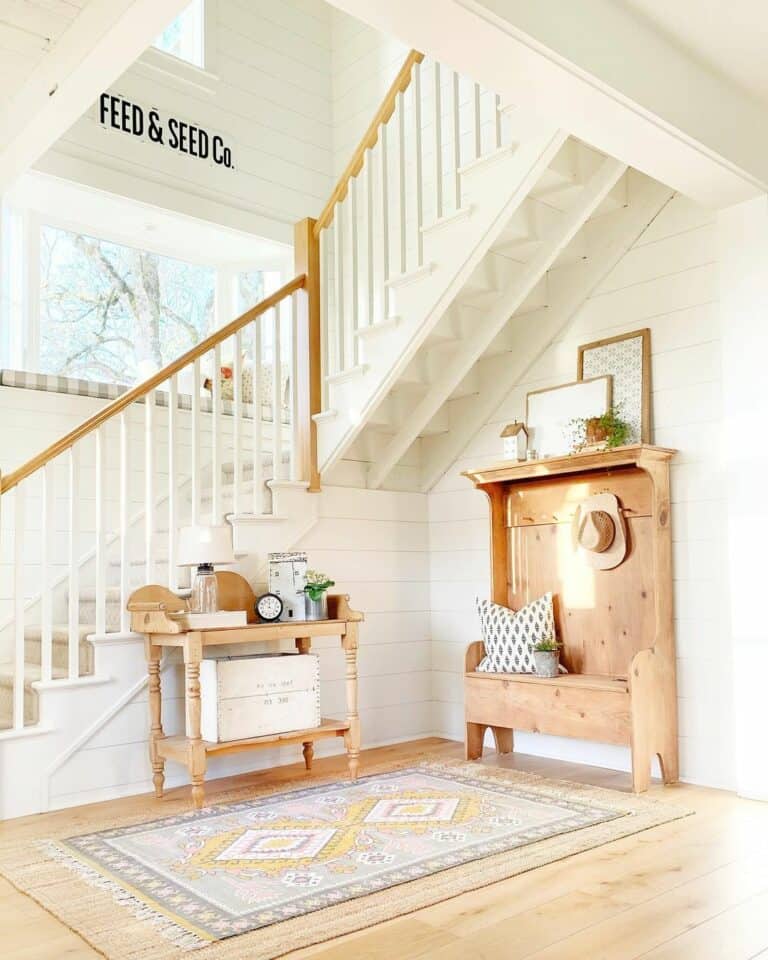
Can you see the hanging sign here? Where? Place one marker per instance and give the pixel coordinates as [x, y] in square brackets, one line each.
[117, 113]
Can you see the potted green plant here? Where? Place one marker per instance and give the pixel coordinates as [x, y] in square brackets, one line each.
[315, 595]
[606, 431]
[546, 658]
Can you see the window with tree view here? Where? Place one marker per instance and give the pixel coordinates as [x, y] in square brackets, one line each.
[184, 36]
[114, 313]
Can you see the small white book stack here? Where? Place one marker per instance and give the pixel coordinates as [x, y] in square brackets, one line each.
[258, 696]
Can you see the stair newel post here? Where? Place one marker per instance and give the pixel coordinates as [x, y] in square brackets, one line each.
[308, 350]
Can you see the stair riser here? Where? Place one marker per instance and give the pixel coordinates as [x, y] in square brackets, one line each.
[60, 655]
[31, 708]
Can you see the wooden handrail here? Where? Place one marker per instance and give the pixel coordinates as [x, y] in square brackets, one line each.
[399, 84]
[10, 480]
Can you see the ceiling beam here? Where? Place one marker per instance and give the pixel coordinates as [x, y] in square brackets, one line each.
[594, 69]
[102, 42]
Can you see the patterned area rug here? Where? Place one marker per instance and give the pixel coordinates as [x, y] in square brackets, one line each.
[391, 842]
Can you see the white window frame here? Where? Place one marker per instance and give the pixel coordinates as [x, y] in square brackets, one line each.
[20, 346]
[181, 72]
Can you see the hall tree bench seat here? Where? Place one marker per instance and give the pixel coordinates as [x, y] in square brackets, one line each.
[158, 613]
[615, 626]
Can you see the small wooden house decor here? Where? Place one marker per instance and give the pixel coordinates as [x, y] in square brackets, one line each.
[515, 438]
[614, 624]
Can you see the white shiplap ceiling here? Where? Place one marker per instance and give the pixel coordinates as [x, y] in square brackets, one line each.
[729, 36]
[29, 30]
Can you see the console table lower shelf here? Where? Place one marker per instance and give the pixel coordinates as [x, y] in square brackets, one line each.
[159, 615]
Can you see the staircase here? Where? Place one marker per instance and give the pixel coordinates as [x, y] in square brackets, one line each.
[198, 465]
[489, 272]
[462, 237]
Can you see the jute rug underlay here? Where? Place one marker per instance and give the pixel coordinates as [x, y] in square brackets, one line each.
[122, 927]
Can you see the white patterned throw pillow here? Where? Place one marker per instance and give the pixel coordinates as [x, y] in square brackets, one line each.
[509, 636]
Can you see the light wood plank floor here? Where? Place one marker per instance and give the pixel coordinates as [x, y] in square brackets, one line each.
[696, 889]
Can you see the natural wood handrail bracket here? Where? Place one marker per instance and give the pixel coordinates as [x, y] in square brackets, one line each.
[401, 83]
[10, 480]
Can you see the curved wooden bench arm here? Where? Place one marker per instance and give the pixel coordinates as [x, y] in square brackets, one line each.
[474, 654]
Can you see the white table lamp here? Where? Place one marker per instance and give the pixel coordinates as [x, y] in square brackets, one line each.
[203, 547]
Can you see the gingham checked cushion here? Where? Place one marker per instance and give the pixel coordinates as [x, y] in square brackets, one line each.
[509, 636]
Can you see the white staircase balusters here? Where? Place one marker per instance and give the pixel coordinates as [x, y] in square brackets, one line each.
[196, 448]
[19, 605]
[352, 317]
[123, 521]
[149, 487]
[326, 308]
[438, 134]
[277, 396]
[336, 331]
[73, 599]
[237, 422]
[456, 139]
[477, 122]
[47, 539]
[497, 121]
[293, 397]
[173, 477]
[370, 282]
[256, 422]
[384, 213]
[216, 513]
[101, 536]
[400, 183]
[418, 165]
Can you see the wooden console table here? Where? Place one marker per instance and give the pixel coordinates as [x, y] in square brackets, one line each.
[159, 613]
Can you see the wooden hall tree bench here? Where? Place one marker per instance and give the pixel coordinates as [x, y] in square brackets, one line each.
[615, 625]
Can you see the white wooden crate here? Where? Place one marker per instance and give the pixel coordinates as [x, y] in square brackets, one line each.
[245, 697]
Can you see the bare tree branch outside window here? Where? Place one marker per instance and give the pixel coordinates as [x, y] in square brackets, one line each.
[113, 313]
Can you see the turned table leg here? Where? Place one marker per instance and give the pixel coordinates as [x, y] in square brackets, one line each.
[196, 756]
[154, 654]
[304, 645]
[352, 735]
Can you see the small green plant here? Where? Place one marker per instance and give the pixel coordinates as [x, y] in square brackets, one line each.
[546, 646]
[317, 584]
[608, 429]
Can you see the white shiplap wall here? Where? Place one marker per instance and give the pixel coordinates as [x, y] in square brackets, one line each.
[364, 63]
[667, 282]
[270, 98]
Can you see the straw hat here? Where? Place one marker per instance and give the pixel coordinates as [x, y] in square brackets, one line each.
[599, 531]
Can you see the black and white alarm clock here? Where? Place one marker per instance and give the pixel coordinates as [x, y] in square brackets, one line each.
[269, 607]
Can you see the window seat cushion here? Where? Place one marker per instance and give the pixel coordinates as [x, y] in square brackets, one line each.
[53, 383]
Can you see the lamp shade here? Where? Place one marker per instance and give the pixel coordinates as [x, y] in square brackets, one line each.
[200, 544]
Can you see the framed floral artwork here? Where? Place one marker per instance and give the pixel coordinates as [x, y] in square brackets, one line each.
[627, 359]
